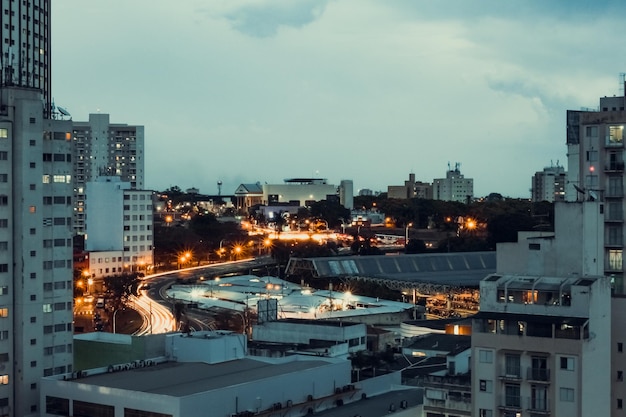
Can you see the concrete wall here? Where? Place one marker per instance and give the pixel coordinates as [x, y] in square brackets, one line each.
[208, 347]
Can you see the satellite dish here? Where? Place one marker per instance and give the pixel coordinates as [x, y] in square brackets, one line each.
[580, 190]
[593, 196]
[63, 111]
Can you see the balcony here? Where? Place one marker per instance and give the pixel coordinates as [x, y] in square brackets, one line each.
[538, 375]
[538, 405]
[511, 402]
[615, 167]
[511, 374]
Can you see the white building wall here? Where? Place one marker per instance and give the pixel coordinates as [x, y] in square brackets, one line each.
[36, 261]
[196, 348]
[105, 225]
[299, 192]
[301, 333]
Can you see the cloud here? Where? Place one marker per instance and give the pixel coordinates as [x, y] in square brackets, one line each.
[263, 18]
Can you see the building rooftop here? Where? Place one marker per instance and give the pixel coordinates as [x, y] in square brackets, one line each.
[448, 343]
[180, 379]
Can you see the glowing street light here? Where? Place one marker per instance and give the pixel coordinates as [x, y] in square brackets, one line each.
[406, 233]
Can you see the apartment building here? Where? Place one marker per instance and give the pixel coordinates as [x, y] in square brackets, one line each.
[595, 147]
[540, 346]
[549, 184]
[35, 249]
[119, 229]
[454, 187]
[105, 149]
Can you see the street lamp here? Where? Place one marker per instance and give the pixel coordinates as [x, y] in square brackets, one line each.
[114, 314]
[406, 233]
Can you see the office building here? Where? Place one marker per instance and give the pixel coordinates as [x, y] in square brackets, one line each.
[119, 229]
[104, 149]
[26, 48]
[549, 184]
[35, 249]
[454, 187]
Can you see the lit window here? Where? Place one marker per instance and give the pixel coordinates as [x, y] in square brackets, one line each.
[4, 312]
[4, 133]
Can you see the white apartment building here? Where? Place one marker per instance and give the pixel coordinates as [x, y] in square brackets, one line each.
[104, 149]
[549, 184]
[541, 343]
[454, 187]
[35, 249]
[119, 229]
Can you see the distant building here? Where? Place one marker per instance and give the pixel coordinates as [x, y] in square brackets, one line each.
[549, 184]
[410, 189]
[104, 149]
[119, 227]
[366, 192]
[454, 187]
[301, 192]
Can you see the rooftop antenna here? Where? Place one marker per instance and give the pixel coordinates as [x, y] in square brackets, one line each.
[219, 188]
[581, 191]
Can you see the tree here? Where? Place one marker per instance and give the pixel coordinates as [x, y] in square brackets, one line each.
[121, 287]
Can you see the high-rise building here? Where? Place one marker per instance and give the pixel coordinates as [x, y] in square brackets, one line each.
[35, 249]
[35, 213]
[595, 148]
[25, 58]
[454, 187]
[549, 184]
[104, 149]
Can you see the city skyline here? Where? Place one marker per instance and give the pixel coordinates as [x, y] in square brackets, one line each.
[251, 91]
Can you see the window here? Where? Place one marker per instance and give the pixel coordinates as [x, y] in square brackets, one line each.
[620, 347]
[615, 259]
[566, 394]
[619, 404]
[615, 136]
[4, 155]
[485, 413]
[485, 356]
[4, 312]
[57, 406]
[486, 385]
[512, 395]
[620, 375]
[567, 363]
[33, 364]
[591, 131]
[33, 341]
[47, 308]
[86, 409]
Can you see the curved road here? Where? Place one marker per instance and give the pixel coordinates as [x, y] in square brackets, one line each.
[157, 308]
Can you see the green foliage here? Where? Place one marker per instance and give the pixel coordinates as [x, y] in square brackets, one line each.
[121, 287]
[331, 211]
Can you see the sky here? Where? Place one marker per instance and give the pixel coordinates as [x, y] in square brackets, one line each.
[246, 91]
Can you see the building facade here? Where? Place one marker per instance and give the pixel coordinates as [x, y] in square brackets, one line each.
[540, 346]
[454, 187]
[26, 48]
[119, 238]
[411, 189]
[104, 149]
[35, 249]
[595, 146]
[549, 184]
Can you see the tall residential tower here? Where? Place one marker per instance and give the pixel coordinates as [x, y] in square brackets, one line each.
[104, 149]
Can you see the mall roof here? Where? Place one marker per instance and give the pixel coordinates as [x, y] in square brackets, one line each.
[464, 269]
[180, 379]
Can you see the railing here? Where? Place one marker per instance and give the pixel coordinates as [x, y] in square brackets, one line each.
[538, 374]
[615, 166]
[538, 405]
[511, 401]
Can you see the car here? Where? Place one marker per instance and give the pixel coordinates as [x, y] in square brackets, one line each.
[100, 303]
[88, 298]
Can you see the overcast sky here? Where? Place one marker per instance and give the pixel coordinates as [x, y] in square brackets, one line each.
[262, 90]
